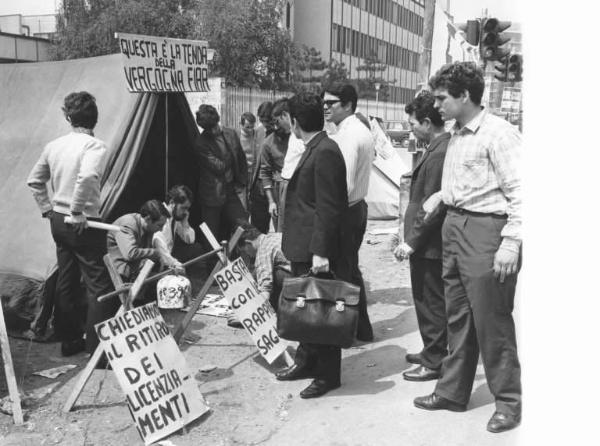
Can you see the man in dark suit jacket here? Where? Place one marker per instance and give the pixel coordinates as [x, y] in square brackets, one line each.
[315, 201]
[222, 172]
[423, 240]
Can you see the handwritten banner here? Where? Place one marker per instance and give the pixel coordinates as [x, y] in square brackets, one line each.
[162, 395]
[252, 309]
[158, 64]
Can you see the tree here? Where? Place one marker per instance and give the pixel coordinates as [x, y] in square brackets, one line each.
[373, 69]
[87, 28]
[336, 72]
[252, 49]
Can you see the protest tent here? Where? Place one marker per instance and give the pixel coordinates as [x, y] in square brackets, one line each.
[131, 124]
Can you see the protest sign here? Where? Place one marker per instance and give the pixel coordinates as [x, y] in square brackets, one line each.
[158, 64]
[162, 395]
[252, 309]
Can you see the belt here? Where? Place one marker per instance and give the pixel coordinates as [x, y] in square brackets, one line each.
[462, 211]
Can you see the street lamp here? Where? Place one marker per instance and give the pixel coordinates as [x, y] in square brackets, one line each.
[377, 87]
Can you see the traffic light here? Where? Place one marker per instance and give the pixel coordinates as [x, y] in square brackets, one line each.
[492, 39]
[515, 68]
[510, 68]
[502, 69]
[471, 31]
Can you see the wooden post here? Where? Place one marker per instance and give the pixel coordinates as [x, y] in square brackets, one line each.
[195, 305]
[9, 370]
[126, 302]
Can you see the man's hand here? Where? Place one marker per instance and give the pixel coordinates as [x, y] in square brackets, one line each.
[177, 268]
[273, 209]
[403, 251]
[79, 223]
[505, 263]
[431, 204]
[319, 264]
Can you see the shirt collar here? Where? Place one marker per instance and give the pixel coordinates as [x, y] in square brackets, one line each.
[433, 143]
[311, 138]
[473, 125]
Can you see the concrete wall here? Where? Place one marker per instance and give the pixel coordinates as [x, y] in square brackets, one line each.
[312, 25]
[14, 48]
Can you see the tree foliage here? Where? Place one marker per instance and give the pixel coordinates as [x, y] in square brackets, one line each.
[87, 28]
[252, 49]
[336, 72]
[367, 86]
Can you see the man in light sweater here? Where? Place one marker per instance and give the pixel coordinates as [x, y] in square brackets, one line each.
[74, 165]
[358, 148]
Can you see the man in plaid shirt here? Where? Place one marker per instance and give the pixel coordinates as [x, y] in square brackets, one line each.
[481, 189]
[270, 265]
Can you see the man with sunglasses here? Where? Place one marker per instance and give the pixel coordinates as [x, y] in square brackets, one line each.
[358, 148]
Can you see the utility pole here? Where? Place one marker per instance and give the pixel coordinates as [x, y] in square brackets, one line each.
[425, 59]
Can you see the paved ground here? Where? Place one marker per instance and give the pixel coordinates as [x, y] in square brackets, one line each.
[249, 407]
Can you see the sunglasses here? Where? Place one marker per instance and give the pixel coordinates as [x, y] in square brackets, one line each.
[330, 102]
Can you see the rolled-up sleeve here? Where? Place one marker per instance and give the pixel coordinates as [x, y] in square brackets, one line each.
[38, 177]
[506, 160]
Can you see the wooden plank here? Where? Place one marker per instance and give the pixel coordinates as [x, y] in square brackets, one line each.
[195, 305]
[86, 373]
[9, 370]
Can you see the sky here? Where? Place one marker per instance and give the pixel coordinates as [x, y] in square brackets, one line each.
[28, 7]
[463, 10]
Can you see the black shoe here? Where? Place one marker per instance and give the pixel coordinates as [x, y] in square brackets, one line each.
[501, 422]
[294, 372]
[435, 402]
[318, 388]
[421, 373]
[413, 358]
[70, 348]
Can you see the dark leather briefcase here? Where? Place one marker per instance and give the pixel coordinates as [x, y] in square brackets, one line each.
[318, 311]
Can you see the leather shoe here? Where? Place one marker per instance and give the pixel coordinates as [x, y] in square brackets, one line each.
[413, 358]
[421, 373]
[435, 402]
[318, 388]
[294, 372]
[501, 422]
[70, 348]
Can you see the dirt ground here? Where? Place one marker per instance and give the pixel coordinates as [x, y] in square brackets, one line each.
[247, 405]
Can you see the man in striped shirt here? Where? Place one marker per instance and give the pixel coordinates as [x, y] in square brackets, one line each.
[481, 188]
[358, 148]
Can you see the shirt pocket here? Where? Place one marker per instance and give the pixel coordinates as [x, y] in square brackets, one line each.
[474, 173]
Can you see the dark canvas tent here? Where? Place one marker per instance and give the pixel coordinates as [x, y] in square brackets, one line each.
[131, 124]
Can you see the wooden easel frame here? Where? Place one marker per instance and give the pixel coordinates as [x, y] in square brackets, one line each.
[126, 302]
[9, 371]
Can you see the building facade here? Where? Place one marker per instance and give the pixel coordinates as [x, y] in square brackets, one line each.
[350, 31]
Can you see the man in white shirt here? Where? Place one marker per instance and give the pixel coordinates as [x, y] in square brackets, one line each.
[73, 165]
[358, 148]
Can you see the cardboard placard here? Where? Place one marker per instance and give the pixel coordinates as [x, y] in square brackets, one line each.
[252, 309]
[162, 395]
[158, 64]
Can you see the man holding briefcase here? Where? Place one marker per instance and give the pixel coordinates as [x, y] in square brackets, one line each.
[316, 199]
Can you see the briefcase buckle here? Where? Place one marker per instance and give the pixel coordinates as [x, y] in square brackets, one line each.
[301, 301]
[339, 305]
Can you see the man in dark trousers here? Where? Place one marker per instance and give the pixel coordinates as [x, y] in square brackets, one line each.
[423, 240]
[358, 148]
[222, 173]
[258, 204]
[316, 200]
[481, 188]
[73, 165]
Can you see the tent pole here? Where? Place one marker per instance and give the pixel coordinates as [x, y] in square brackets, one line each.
[166, 145]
